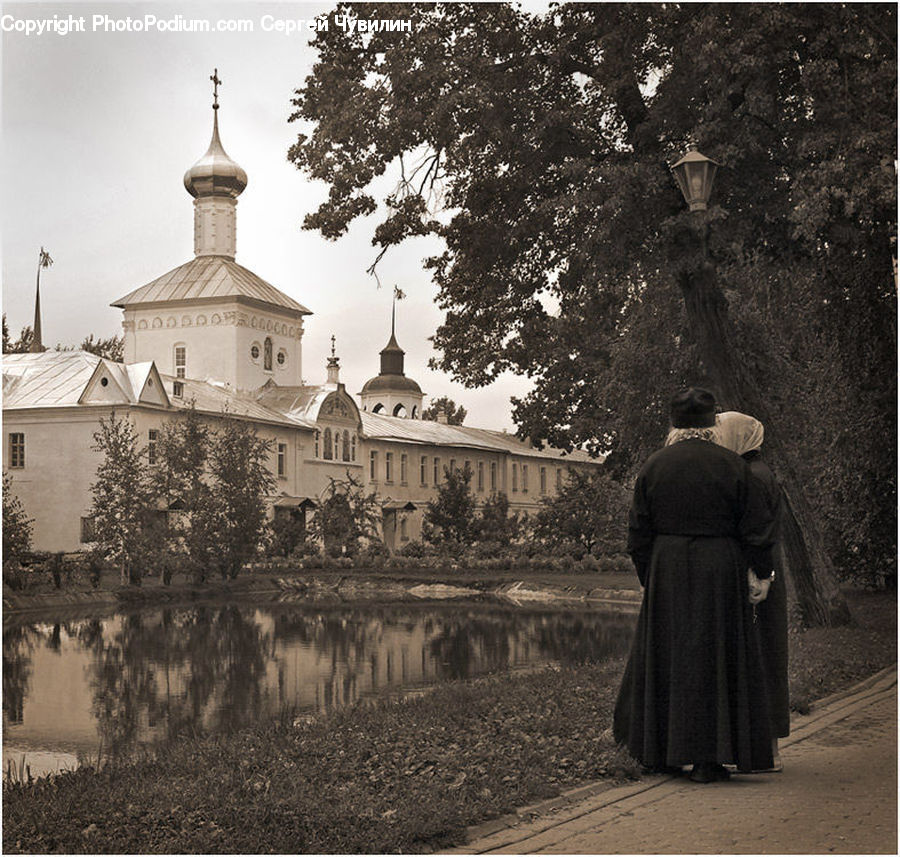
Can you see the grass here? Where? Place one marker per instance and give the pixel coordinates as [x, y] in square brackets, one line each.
[405, 776]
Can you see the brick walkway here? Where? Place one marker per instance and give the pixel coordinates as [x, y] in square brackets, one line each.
[837, 794]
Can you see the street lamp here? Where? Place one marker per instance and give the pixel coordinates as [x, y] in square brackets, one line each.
[694, 174]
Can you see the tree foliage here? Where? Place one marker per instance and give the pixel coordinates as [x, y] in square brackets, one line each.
[22, 344]
[494, 523]
[450, 516]
[570, 256]
[588, 511]
[112, 348]
[17, 526]
[123, 507]
[240, 481]
[456, 414]
[346, 516]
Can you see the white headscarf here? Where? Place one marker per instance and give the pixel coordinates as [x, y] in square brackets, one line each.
[738, 432]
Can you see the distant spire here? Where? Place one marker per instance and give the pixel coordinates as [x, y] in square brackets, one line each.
[333, 365]
[37, 346]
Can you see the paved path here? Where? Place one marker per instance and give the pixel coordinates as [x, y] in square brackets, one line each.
[837, 794]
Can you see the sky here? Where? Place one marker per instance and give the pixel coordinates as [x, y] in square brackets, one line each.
[98, 129]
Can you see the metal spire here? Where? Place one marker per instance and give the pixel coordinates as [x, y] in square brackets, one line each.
[37, 346]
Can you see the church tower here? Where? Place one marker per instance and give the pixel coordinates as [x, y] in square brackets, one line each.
[391, 392]
[211, 319]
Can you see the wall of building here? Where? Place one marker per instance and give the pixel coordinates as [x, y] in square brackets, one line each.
[54, 486]
[218, 341]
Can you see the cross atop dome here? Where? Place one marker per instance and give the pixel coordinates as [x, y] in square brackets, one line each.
[214, 77]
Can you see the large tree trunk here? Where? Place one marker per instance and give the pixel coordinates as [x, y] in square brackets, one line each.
[809, 571]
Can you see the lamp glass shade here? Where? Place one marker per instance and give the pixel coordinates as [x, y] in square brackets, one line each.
[695, 174]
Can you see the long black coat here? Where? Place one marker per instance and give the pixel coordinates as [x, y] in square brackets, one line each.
[694, 690]
[772, 621]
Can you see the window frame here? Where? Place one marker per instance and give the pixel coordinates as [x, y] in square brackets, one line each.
[16, 450]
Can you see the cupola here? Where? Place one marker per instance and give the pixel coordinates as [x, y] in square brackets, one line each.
[215, 182]
[391, 392]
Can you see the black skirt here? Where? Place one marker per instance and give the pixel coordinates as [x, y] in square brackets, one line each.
[694, 689]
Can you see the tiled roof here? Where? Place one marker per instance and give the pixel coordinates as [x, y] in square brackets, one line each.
[378, 426]
[210, 277]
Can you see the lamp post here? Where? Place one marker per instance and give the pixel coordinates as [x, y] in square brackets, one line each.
[694, 174]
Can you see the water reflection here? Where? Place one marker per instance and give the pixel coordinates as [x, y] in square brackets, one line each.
[116, 682]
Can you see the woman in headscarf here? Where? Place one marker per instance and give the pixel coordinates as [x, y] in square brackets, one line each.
[743, 434]
[693, 692]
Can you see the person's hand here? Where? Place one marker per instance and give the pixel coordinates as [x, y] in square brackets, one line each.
[759, 589]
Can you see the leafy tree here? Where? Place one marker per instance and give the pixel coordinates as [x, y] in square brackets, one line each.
[112, 348]
[123, 509]
[178, 481]
[455, 414]
[22, 345]
[494, 523]
[346, 515]
[570, 256]
[450, 516]
[240, 481]
[17, 526]
[589, 511]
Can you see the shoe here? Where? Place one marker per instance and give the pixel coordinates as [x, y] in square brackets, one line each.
[706, 772]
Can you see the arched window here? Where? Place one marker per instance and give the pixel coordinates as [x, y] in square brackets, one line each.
[337, 445]
[378, 409]
[400, 410]
[318, 440]
[415, 413]
[345, 452]
[327, 444]
[267, 354]
[353, 448]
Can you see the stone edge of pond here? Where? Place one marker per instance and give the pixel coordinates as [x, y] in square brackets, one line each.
[325, 587]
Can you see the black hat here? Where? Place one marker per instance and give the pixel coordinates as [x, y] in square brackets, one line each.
[693, 407]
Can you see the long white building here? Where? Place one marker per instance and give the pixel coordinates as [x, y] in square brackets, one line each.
[213, 335]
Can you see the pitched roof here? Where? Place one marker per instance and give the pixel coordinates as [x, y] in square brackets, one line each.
[47, 379]
[381, 427]
[210, 278]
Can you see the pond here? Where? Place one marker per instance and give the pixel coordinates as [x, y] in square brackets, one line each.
[105, 685]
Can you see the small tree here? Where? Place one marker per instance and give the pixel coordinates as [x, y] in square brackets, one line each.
[590, 511]
[345, 516]
[450, 517]
[495, 524]
[17, 526]
[19, 346]
[177, 478]
[455, 413]
[112, 348]
[123, 509]
[240, 482]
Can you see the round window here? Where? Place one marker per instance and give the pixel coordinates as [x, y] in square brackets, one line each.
[254, 352]
[104, 381]
[281, 358]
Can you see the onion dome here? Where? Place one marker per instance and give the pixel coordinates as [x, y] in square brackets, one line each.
[215, 174]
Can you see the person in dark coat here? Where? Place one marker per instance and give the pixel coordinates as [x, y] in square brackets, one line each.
[693, 692]
[743, 434]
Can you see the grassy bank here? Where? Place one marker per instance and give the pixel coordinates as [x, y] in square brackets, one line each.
[394, 776]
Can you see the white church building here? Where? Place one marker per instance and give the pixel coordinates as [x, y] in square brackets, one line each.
[213, 335]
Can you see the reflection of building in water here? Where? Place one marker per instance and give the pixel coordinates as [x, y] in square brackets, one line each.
[212, 333]
[106, 685]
